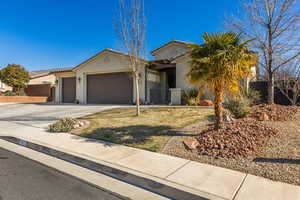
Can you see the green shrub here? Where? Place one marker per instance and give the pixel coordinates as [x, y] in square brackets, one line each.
[63, 125]
[10, 93]
[238, 107]
[253, 96]
[190, 97]
[193, 101]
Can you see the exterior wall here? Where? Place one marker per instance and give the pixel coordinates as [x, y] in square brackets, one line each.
[182, 68]
[22, 99]
[253, 73]
[153, 83]
[43, 80]
[58, 88]
[41, 90]
[106, 63]
[171, 51]
[4, 87]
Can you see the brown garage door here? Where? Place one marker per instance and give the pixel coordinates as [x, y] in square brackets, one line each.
[114, 88]
[69, 90]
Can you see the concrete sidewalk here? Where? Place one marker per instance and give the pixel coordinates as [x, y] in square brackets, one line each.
[207, 181]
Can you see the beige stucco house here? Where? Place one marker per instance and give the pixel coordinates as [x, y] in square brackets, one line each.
[106, 79]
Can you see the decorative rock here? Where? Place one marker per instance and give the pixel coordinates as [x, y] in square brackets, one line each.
[191, 143]
[76, 126]
[264, 117]
[228, 118]
[206, 103]
[238, 138]
[274, 112]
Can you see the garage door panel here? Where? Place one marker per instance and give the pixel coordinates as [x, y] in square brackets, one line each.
[69, 89]
[113, 88]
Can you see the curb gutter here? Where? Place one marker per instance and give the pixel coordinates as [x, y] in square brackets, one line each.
[142, 182]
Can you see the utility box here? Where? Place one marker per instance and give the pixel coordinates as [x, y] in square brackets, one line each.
[175, 96]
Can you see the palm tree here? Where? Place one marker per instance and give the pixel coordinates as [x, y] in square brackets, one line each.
[220, 63]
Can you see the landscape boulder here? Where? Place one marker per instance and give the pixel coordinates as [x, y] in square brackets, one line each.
[206, 103]
[191, 143]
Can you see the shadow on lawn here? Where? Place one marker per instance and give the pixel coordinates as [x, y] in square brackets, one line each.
[278, 160]
[137, 134]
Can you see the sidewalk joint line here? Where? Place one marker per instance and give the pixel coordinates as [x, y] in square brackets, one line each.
[237, 191]
[177, 169]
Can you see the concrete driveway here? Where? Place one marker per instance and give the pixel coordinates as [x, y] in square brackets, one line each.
[16, 119]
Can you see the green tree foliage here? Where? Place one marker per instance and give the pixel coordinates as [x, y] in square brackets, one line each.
[220, 63]
[15, 76]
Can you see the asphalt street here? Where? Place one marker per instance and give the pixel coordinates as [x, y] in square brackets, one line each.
[24, 179]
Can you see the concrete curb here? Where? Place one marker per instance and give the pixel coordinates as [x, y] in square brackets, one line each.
[143, 182]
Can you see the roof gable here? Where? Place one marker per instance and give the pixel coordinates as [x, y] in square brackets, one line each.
[173, 42]
[101, 53]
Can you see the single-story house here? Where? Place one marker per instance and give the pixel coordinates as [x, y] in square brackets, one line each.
[42, 83]
[105, 78]
[36, 78]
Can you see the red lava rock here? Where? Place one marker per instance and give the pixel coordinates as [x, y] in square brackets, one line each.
[191, 143]
[274, 112]
[263, 117]
[206, 103]
[238, 138]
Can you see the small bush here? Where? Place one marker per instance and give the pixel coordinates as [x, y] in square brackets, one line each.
[193, 101]
[63, 125]
[190, 97]
[238, 107]
[253, 96]
[10, 93]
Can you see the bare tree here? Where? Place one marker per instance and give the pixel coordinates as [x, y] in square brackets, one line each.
[288, 81]
[132, 30]
[275, 26]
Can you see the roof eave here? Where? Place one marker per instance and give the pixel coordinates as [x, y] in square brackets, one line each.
[101, 52]
[168, 43]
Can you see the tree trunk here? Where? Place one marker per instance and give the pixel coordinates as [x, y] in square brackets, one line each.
[137, 94]
[271, 89]
[218, 107]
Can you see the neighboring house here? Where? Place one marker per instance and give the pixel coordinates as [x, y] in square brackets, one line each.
[41, 77]
[105, 78]
[4, 87]
[42, 83]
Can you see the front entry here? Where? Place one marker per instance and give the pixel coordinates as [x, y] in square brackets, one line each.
[68, 90]
[112, 88]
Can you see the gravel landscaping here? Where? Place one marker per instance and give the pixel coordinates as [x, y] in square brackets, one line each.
[239, 138]
[275, 155]
[273, 112]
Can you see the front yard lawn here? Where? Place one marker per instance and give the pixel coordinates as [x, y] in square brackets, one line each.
[150, 131]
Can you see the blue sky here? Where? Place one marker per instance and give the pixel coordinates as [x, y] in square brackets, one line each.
[43, 34]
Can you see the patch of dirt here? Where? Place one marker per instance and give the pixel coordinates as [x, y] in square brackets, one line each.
[238, 138]
[274, 112]
[278, 159]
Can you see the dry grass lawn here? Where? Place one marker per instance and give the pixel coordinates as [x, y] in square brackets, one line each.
[150, 131]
